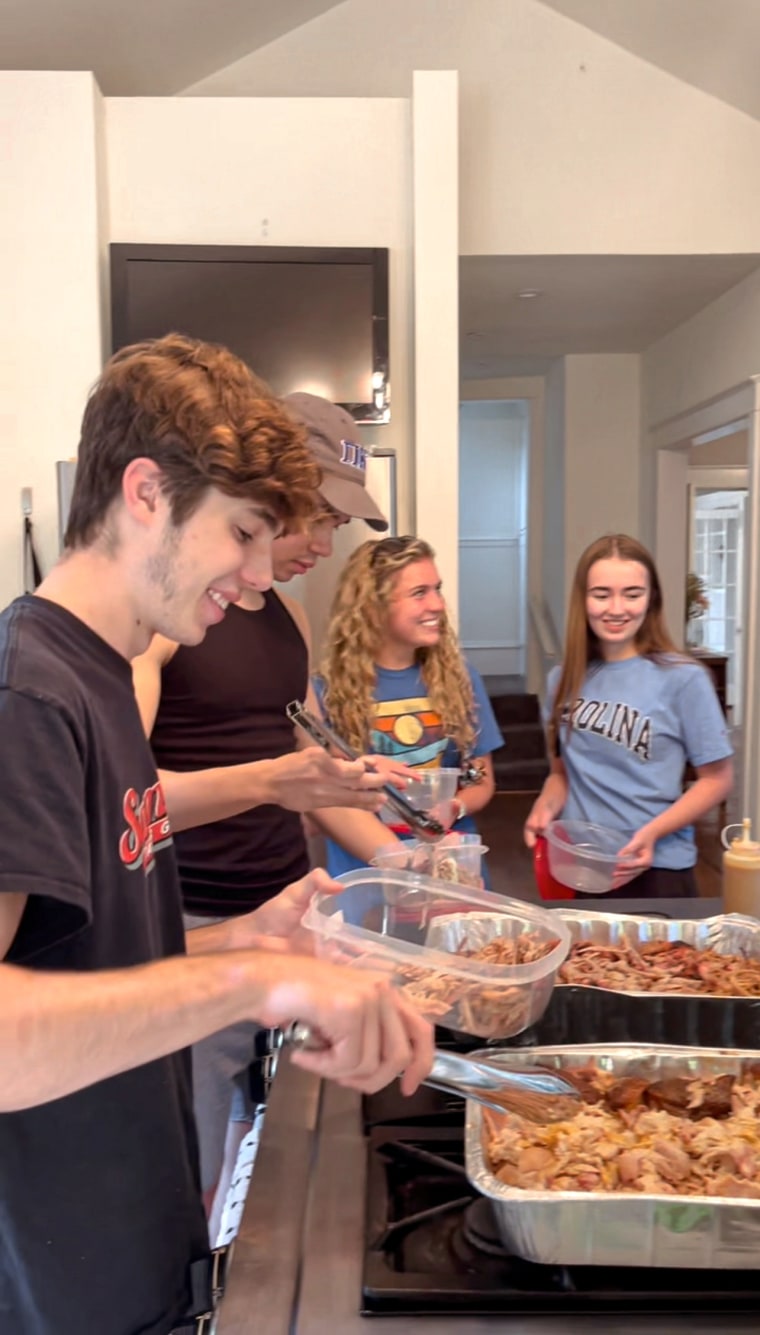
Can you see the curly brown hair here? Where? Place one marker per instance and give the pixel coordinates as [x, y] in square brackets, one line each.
[201, 414]
[653, 639]
[355, 637]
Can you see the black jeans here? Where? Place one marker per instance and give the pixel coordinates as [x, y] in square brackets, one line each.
[655, 883]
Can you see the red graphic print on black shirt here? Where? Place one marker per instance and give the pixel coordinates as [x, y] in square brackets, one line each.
[148, 828]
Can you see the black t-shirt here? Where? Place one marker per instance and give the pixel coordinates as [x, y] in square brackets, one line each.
[100, 1207]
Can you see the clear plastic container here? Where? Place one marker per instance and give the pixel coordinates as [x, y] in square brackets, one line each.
[432, 791]
[456, 858]
[467, 959]
[584, 856]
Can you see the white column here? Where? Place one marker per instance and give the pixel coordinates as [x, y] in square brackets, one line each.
[436, 319]
[52, 263]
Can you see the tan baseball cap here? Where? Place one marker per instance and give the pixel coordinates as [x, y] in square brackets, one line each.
[332, 438]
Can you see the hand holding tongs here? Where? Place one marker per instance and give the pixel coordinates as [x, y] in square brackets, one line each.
[426, 826]
[535, 1092]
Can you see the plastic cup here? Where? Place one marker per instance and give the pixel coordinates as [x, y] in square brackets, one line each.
[430, 787]
[456, 858]
[432, 791]
[460, 862]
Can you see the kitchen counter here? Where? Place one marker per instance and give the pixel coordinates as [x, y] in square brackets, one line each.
[296, 1265]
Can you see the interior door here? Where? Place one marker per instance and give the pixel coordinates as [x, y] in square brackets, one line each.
[494, 445]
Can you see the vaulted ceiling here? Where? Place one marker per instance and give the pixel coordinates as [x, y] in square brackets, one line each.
[144, 48]
[588, 303]
[159, 47]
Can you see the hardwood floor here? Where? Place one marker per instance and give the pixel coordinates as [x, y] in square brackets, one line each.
[511, 864]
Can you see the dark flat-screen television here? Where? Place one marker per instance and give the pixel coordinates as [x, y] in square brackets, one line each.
[303, 318]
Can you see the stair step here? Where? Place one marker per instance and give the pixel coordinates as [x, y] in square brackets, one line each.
[513, 709]
[524, 741]
[520, 776]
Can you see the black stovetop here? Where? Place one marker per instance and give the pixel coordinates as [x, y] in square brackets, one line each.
[432, 1245]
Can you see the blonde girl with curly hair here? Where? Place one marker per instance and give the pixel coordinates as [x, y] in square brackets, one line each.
[394, 681]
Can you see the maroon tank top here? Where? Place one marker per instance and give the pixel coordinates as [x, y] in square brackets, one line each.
[223, 703]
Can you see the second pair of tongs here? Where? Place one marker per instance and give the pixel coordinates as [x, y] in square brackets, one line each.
[534, 1092]
[427, 827]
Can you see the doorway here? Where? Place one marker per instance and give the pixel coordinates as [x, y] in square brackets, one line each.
[494, 448]
[725, 416]
[717, 543]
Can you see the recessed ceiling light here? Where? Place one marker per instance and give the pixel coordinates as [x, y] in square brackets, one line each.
[528, 293]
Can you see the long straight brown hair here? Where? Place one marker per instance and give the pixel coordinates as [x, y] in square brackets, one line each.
[582, 648]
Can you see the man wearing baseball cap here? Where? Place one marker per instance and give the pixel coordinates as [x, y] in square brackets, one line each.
[331, 434]
[234, 782]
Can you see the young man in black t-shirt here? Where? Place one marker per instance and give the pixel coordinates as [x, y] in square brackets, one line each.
[187, 467]
[235, 782]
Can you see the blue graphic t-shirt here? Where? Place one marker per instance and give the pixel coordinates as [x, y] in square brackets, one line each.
[633, 727]
[406, 728]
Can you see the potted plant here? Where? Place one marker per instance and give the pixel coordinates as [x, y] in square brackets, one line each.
[697, 601]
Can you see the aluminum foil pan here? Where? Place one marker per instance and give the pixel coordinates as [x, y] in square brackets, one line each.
[602, 1228]
[596, 1014]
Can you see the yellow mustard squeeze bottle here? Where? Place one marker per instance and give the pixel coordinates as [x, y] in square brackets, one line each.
[741, 871]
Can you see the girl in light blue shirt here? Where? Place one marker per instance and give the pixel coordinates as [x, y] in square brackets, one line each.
[625, 712]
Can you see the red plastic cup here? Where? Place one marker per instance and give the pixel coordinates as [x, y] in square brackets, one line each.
[547, 887]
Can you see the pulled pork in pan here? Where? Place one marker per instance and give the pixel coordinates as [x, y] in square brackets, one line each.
[677, 1136]
[661, 966]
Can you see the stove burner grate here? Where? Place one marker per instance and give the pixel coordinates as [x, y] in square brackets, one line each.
[433, 1248]
[480, 1230]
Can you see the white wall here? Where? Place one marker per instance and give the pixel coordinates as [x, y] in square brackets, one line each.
[50, 322]
[553, 551]
[226, 172]
[709, 354]
[281, 172]
[85, 171]
[591, 463]
[569, 144]
[602, 443]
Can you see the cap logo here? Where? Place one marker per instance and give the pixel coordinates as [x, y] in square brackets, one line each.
[354, 455]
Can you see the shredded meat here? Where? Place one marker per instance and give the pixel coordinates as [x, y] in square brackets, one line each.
[676, 1136]
[661, 966]
[491, 1010]
[440, 861]
[448, 869]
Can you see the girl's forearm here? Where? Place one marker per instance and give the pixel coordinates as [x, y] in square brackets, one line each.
[554, 791]
[703, 796]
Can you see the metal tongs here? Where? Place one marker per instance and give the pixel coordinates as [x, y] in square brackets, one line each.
[419, 821]
[534, 1092]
